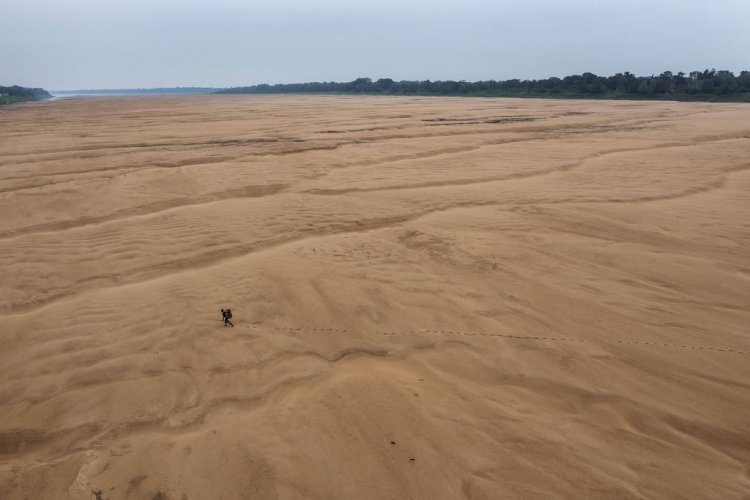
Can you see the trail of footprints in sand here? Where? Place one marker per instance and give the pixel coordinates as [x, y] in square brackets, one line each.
[314, 330]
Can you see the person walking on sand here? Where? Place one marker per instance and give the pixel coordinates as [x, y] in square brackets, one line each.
[226, 316]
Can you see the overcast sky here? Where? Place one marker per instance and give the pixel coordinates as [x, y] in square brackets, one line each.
[75, 44]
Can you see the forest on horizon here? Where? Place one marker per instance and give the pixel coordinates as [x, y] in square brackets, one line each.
[707, 85]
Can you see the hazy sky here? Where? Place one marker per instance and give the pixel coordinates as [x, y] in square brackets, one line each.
[75, 44]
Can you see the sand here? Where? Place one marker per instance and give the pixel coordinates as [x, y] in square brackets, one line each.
[432, 297]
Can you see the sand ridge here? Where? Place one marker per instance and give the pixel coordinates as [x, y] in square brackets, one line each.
[433, 298]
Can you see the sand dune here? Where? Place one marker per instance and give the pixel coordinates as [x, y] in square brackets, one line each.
[433, 298]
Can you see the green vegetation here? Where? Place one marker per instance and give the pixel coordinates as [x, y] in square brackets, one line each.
[708, 85]
[13, 94]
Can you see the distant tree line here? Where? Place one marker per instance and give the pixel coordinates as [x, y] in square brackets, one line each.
[15, 93]
[697, 85]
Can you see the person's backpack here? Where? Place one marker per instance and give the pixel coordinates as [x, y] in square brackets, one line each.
[229, 313]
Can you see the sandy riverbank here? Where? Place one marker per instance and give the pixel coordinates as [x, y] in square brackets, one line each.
[433, 298]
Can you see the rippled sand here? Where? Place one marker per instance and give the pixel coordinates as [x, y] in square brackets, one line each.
[433, 298]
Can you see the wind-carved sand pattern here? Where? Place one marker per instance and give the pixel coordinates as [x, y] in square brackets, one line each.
[432, 297]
